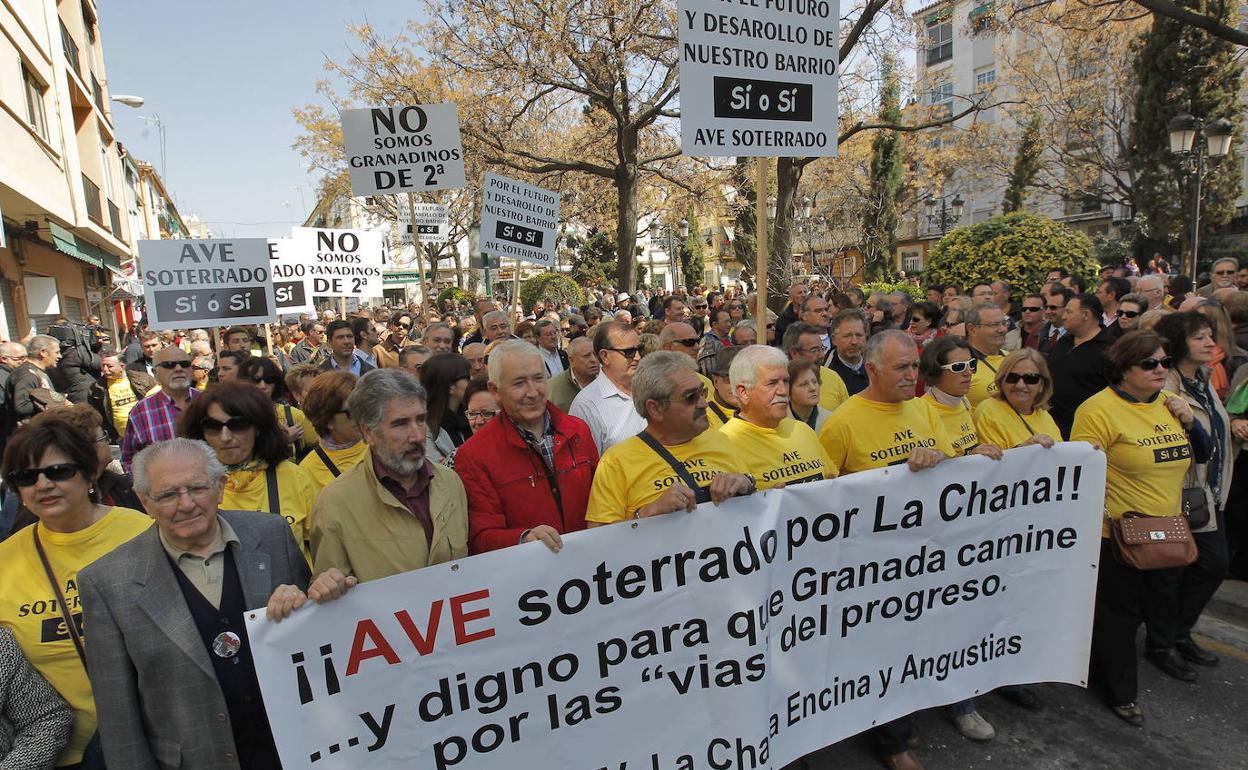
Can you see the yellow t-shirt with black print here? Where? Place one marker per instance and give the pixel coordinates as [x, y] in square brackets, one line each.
[865, 434]
[631, 474]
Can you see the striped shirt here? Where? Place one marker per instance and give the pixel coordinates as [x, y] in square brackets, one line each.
[153, 419]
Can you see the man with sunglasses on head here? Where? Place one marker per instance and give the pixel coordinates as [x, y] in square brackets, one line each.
[155, 418]
[606, 404]
[1077, 361]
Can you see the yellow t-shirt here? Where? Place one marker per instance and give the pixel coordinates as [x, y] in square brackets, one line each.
[344, 459]
[999, 424]
[29, 608]
[957, 423]
[983, 382]
[832, 392]
[122, 398]
[1146, 450]
[248, 491]
[310, 439]
[788, 454]
[865, 434]
[631, 474]
[713, 417]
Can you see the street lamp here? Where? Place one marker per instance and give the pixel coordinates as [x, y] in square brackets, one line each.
[659, 231]
[804, 211]
[134, 102]
[950, 212]
[1195, 158]
[160, 130]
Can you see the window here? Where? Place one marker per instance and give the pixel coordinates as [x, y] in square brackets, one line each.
[984, 79]
[941, 96]
[35, 90]
[939, 41]
[912, 261]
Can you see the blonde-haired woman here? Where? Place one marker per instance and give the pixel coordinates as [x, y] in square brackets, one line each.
[1018, 413]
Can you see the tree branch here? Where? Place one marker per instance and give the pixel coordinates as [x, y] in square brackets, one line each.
[1198, 20]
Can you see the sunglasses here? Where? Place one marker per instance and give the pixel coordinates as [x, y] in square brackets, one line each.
[1224, 272]
[691, 397]
[958, 367]
[688, 342]
[235, 424]
[58, 472]
[171, 365]
[265, 380]
[1031, 378]
[1127, 313]
[1150, 364]
[1032, 309]
[629, 353]
[1056, 307]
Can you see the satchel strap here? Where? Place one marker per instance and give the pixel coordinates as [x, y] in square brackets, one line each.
[1021, 418]
[60, 597]
[270, 481]
[321, 453]
[703, 494]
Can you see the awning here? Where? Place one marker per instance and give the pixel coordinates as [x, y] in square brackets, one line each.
[64, 241]
[980, 10]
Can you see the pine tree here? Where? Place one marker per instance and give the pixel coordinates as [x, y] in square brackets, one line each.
[1183, 69]
[879, 216]
[1026, 166]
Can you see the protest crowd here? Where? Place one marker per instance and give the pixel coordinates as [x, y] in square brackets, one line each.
[174, 479]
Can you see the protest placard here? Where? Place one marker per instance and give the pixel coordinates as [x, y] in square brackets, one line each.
[292, 280]
[341, 263]
[432, 223]
[403, 149]
[206, 282]
[758, 79]
[518, 220]
[738, 636]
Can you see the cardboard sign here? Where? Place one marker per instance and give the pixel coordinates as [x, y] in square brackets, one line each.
[341, 263]
[432, 225]
[758, 79]
[208, 282]
[518, 220]
[403, 149]
[292, 280]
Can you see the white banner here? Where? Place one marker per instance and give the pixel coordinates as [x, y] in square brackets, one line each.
[518, 220]
[403, 149]
[206, 282]
[740, 636]
[292, 277]
[342, 263]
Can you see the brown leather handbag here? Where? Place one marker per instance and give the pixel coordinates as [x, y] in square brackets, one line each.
[1152, 542]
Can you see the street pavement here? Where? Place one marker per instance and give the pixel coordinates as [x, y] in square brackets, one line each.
[1187, 726]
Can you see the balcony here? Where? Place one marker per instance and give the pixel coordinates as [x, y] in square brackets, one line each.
[71, 48]
[91, 192]
[114, 220]
[98, 93]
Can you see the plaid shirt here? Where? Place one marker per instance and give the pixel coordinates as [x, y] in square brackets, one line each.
[544, 445]
[153, 419]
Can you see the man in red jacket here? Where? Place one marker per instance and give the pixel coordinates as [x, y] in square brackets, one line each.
[528, 471]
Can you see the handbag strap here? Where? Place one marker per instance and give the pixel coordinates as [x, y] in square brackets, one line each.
[60, 598]
[703, 494]
[321, 453]
[1026, 424]
[270, 482]
[714, 407]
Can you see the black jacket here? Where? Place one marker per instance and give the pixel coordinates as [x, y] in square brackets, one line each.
[1078, 373]
[787, 317]
[25, 379]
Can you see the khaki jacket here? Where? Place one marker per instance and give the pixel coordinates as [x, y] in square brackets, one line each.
[1198, 473]
[362, 529]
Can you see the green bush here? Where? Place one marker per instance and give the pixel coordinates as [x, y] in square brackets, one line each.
[888, 287]
[548, 288]
[1020, 247]
[455, 293]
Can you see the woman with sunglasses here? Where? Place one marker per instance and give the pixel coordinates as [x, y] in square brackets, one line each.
[1149, 437]
[946, 367]
[1017, 414]
[341, 446]
[239, 423]
[111, 488]
[53, 465]
[1189, 340]
[924, 323]
[301, 434]
[445, 377]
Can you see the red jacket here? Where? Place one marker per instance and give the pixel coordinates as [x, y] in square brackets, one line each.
[509, 489]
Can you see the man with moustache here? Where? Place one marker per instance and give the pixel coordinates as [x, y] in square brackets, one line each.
[395, 511]
[155, 418]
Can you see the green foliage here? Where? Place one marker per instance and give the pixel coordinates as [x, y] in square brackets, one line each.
[550, 288]
[1020, 247]
[594, 263]
[1180, 68]
[639, 273]
[879, 215]
[455, 293]
[692, 266]
[743, 244]
[888, 287]
[1026, 166]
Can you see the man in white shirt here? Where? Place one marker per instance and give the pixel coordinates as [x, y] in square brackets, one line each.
[546, 333]
[606, 404]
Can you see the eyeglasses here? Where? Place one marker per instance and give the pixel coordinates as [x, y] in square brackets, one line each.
[688, 342]
[1027, 309]
[690, 397]
[629, 353]
[1127, 313]
[1224, 272]
[958, 367]
[1149, 364]
[171, 365]
[197, 492]
[1030, 378]
[814, 350]
[481, 415]
[235, 424]
[405, 326]
[101, 438]
[30, 476]
[1056, 307]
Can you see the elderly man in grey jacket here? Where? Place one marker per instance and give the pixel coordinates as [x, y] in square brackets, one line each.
[174, 678]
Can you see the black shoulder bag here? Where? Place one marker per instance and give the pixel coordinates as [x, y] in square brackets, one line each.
[703, 494]
[329, 464]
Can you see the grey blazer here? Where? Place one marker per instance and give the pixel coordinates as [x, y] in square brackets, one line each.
[157, 698]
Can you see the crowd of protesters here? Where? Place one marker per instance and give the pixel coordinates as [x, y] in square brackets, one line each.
[156, 486]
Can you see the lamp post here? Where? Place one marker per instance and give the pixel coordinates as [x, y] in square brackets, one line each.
[668, 236]
[804, 226]
[1195, 158]
[160, 130]
[949, 215]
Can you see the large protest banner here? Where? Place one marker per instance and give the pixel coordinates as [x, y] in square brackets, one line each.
[733, 637]
[206, 282]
